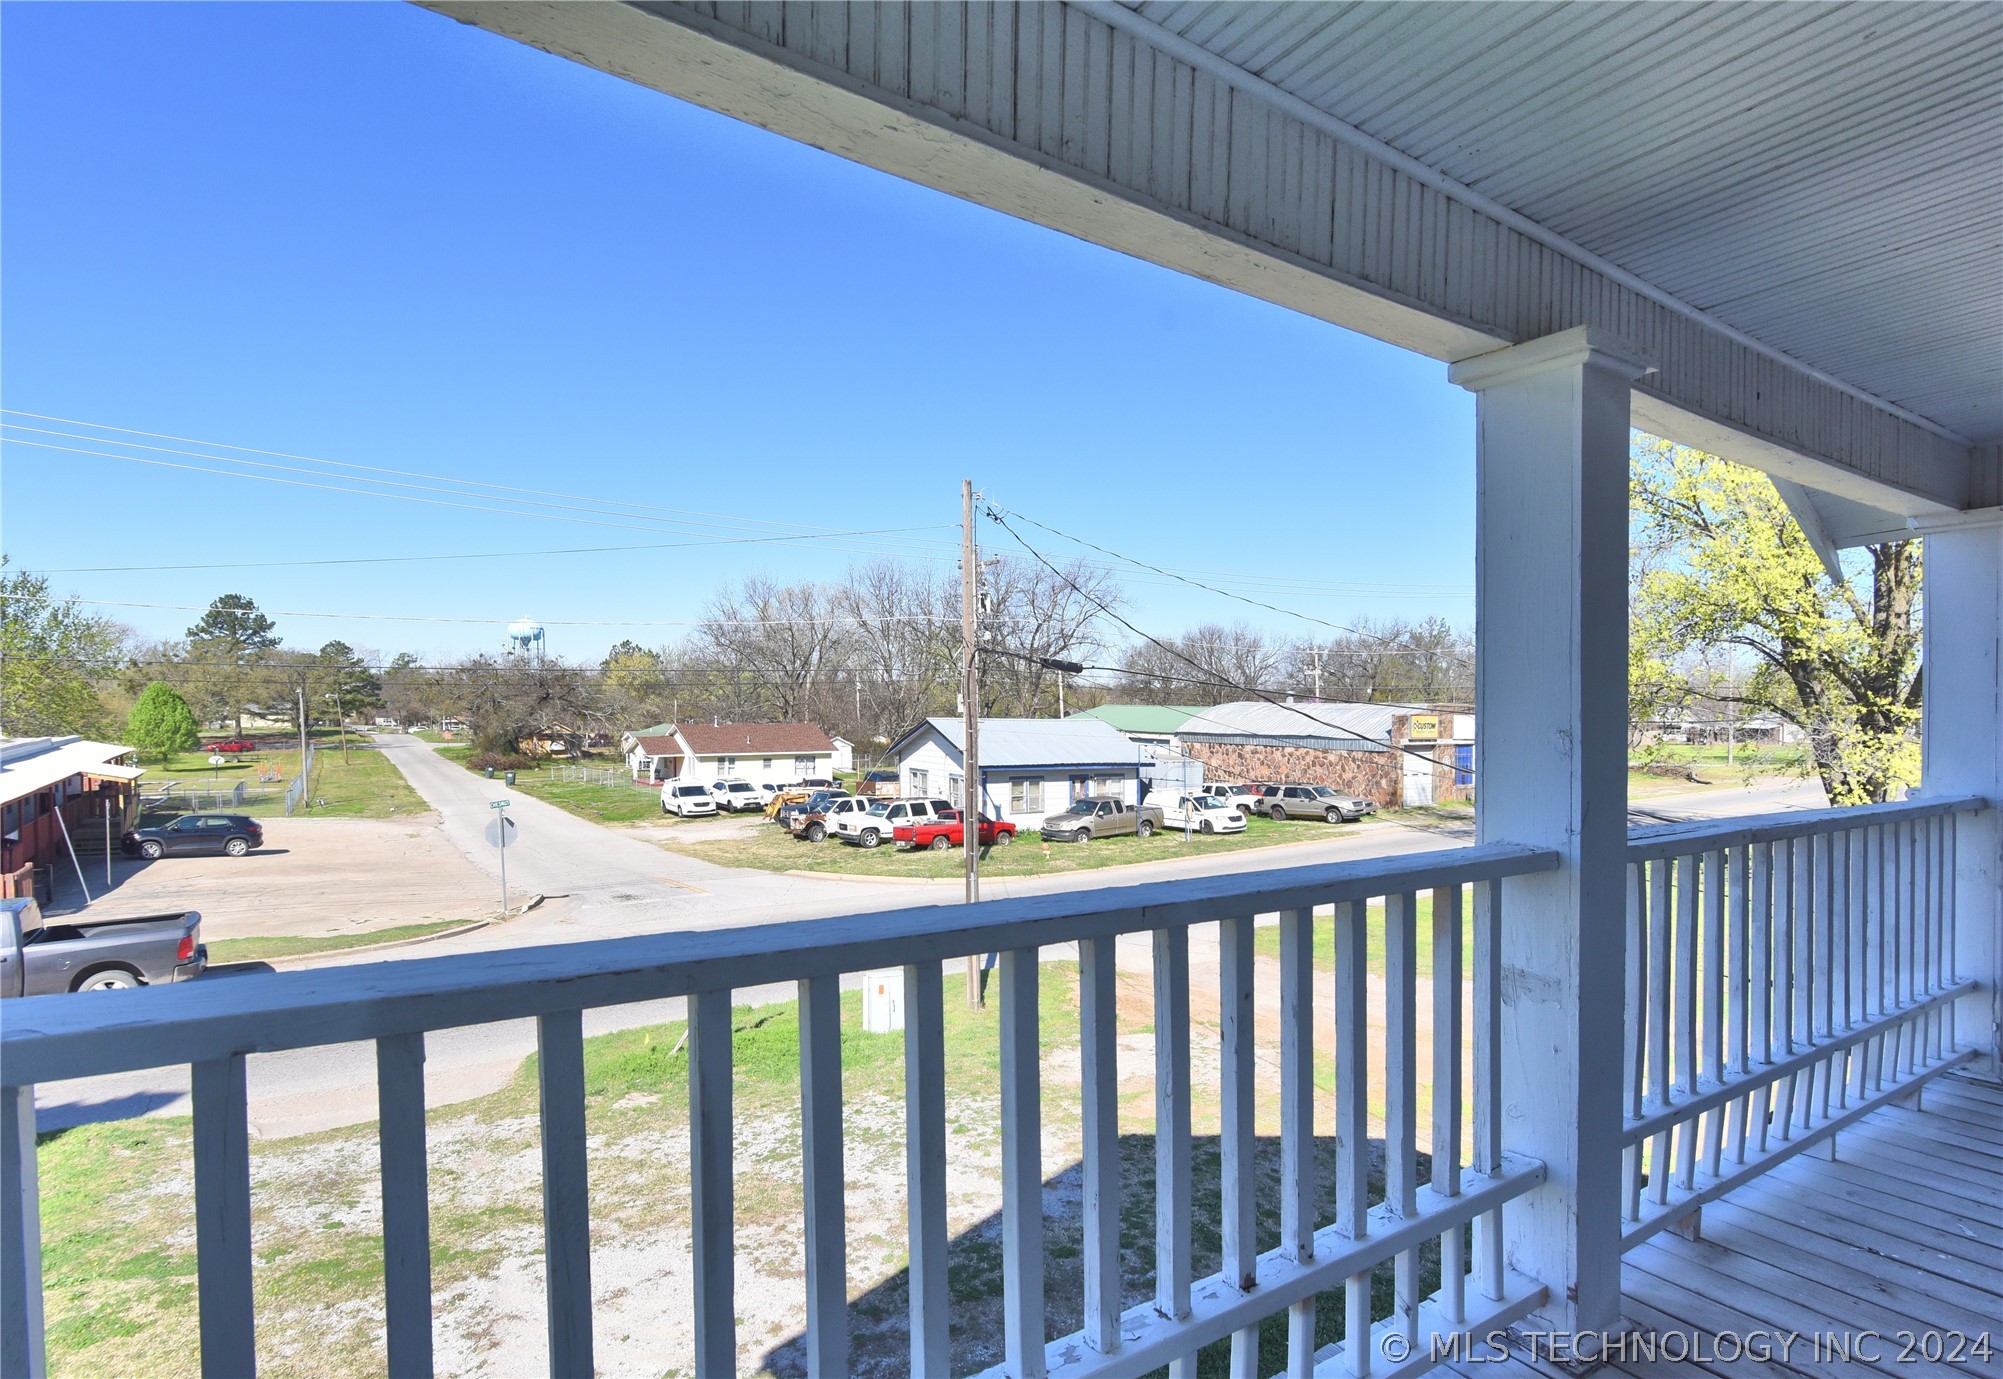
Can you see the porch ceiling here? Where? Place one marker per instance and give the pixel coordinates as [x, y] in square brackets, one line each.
[1826, 178]
[1789, 212]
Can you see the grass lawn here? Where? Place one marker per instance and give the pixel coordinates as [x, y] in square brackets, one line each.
[117, 1209]
[363, 786]
[623, 803]
[1266, 940]
[258, 949]
[773, 849]
[1776, 757]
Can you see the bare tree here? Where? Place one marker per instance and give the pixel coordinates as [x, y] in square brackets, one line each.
[1040, 613]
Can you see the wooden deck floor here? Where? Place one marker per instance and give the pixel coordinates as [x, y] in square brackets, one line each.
[1902, 1232]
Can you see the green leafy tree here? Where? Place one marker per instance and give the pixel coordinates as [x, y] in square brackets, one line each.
[1720, 562]
[227, 651]
[52, 658]
[161, 722]
[346, 679]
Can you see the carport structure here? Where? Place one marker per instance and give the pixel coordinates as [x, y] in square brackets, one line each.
[1769, 231]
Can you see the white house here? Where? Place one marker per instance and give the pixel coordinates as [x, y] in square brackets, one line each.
[766, 753]
[844, 754]
[1030, 767]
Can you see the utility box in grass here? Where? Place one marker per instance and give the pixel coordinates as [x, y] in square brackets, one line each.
[883, 1001]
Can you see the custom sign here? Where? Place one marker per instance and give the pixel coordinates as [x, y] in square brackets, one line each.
[1424, 727]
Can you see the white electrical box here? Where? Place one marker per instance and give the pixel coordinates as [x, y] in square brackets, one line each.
[883, 1001]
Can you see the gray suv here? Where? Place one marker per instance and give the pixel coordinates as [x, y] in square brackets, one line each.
[1313, 802]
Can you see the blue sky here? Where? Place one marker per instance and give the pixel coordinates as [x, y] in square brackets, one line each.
[365, 233]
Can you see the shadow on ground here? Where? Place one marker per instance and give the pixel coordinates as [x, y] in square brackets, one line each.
[878, 1319]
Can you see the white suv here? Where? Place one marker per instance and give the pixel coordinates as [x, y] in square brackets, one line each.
[688, 801]
[876, 824]
[736, 795]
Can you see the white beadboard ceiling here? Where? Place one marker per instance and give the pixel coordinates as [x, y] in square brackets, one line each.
[1827, 178]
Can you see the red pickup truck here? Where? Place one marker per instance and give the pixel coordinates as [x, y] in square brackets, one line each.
[232, 747]
[948, 831]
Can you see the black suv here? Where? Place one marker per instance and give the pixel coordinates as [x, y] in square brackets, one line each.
[233, 834]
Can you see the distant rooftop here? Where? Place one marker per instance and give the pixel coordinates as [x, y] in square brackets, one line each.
[1142, 718]
[1021, 742]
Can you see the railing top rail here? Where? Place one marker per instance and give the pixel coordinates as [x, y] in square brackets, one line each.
[1653, 841]
[51, 1039]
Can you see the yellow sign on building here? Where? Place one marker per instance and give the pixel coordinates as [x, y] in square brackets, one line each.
[1425, 727]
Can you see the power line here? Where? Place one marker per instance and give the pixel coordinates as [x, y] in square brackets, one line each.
[995, 515]
[994, 508]
[600, 507]
[843, 619]
[678, 513]
[404, 497]
[466, 555]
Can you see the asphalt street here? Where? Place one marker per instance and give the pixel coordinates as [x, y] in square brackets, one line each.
[601, 882]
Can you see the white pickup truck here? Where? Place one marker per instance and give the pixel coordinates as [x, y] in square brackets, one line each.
[878, 823]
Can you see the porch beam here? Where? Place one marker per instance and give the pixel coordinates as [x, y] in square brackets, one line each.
[1551, 549]
[1962, 740]
[1092, 120]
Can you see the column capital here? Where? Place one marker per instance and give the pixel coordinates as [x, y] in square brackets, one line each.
[1567, 349]
[1970, 519]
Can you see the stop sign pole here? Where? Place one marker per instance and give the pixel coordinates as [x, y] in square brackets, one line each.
[501, 831]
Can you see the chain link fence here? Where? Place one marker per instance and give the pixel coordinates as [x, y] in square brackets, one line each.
[295, 793]
[587, 775]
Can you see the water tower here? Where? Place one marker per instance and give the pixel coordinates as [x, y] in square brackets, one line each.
[525, 639]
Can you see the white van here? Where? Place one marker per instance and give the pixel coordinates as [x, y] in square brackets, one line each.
[688, 801]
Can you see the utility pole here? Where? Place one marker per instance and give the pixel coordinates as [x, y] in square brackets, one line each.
[970, 809]
[302, 738]
[341, 716]
[1317, 672]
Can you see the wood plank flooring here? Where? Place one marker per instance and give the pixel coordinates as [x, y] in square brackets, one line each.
[1902, 1232]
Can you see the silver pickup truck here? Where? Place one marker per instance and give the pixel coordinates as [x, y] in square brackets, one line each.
[39, 959]
[1094, 818]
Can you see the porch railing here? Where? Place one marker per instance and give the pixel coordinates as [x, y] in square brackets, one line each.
[1786, 975]
[212, 1027]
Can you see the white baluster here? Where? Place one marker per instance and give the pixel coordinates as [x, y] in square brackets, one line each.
[1098, 998]
[712, 1195]
[566, 1197]
[925, 1166]
[1022, 1167]
[824, 1188]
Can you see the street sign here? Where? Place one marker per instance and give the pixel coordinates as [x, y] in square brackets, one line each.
[494, 829]
[499, 804]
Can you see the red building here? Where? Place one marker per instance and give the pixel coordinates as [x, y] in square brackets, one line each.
[56, 793]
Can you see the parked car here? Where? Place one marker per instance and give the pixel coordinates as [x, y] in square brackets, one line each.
[948, 829]
[1243, 798]
[878, 823]
[1314, 802]
[39, 959]
[1203, 814]
[687, 801]
[878, 784]
[790, 814]
[1091, 818]
[231, 834]
[815, 783]
[737, 796]
[234, 746]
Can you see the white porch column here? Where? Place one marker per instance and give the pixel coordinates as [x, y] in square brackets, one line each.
[1551, 544]
[1963, 740]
